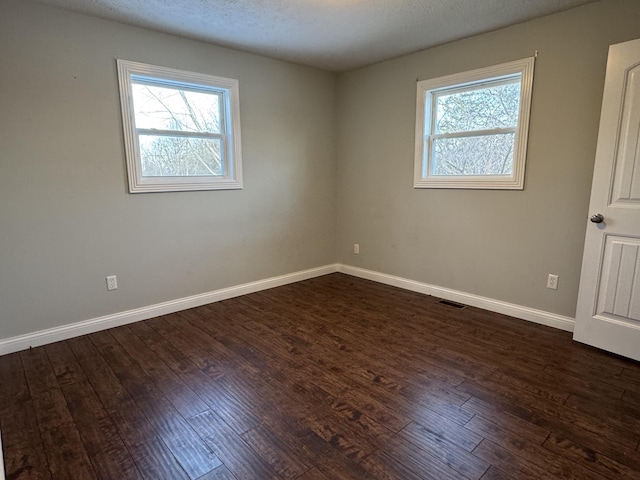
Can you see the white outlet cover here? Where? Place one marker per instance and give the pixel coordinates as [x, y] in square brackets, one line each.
[112, 282]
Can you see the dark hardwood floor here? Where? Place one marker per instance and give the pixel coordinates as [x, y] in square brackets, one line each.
[330, 378]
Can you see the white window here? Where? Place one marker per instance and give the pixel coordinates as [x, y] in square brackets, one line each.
[471, 128]
[181, 129]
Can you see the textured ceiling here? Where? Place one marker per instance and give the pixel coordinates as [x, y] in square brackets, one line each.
[335, 35]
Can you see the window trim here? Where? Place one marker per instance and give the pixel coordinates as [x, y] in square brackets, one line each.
[426, 89]
[232, 177]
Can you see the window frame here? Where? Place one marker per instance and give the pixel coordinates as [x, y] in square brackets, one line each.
[428, 90]
[228, 88]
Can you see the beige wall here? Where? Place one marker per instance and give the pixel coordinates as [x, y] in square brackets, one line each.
[498, 244]
[66, 219]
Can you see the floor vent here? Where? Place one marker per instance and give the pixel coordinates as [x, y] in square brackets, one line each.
[449, 303]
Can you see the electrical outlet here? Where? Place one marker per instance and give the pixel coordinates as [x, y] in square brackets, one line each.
[112, 282]
[552, 281]
[356, 248]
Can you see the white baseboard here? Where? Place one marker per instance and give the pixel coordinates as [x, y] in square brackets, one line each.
[518, 311]
[43, 337]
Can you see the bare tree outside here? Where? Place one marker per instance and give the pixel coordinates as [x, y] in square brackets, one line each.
[475, 130]
[179, 131]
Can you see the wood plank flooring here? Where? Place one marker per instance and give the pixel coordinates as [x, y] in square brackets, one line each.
[330, 378]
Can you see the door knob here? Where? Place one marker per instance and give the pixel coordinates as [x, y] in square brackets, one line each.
[597, 218]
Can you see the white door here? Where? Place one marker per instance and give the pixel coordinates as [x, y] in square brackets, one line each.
[608, 312]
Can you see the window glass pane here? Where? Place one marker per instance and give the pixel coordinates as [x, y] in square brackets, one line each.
[478, 109]
[480, 155]
[166, 108]
[175, 156]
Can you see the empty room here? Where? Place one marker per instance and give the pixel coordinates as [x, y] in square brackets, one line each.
[319, 239]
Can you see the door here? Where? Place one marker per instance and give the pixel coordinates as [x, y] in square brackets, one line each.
[608, 312]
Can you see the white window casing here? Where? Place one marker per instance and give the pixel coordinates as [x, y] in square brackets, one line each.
[225, 91]
[428, 92]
